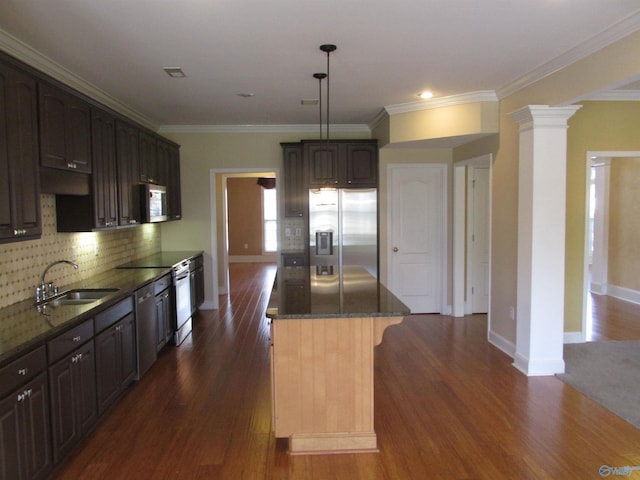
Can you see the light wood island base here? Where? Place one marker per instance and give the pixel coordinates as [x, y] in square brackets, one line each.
[322, 382]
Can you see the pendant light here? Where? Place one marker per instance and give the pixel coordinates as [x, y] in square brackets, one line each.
[320, 77]
[328, 48]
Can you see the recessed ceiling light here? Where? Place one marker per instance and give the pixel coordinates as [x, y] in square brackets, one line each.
[425, 95]
[174, 72]
[245, 95]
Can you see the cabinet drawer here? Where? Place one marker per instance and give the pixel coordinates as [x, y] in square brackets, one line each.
[112, 315]
[162, 284]
[22, 370]
[70, 340]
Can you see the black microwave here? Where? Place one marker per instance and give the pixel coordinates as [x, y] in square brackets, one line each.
[153, 203]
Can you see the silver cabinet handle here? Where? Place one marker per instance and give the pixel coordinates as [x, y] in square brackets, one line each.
[395, 249]
[23, 371]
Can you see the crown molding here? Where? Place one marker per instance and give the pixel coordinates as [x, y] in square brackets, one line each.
[301, 128]
[616, 96]
[470, 97]
[618, 31]
[27, 54]
[382, 114]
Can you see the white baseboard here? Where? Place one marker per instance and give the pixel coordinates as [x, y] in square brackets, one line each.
[598, 288]
[502, 343]
[574, 337]
[623, 293]
[539, 368]
[207, 305]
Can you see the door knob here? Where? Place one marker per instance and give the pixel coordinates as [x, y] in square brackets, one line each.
[395, 249]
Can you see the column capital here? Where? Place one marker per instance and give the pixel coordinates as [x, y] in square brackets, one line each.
[531, 116]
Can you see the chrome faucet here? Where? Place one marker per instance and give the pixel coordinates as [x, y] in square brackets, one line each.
[46, 290]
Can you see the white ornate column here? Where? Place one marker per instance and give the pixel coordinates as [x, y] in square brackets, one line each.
[541, 238]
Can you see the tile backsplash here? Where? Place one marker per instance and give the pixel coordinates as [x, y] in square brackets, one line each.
[22, 263]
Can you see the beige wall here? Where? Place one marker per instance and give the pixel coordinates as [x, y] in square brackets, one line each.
[624, 223]
[22, 263]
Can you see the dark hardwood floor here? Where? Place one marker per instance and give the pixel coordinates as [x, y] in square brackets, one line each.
[448, 406]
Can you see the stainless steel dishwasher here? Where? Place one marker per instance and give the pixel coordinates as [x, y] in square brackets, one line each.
[146, 328]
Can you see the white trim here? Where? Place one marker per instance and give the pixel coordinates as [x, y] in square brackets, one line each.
[539, 368]
[214, 239]
[459, 200]
[618, 31]
[470, 97]
[616, 96]
[302, 128]
[267, 258]
[574, 337]
[623, 293]
[502, 343]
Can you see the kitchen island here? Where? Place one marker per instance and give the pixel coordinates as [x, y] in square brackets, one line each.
[325, 323]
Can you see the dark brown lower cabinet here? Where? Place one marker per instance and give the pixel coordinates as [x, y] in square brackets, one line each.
[115, 361]
[25, 442]
[164, 317]
[73, 398]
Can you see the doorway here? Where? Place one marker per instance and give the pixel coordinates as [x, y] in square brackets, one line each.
[597, 248]
[471, 236]
[220, 223]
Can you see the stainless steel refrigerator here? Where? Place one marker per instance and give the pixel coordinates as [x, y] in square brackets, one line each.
[343, 228]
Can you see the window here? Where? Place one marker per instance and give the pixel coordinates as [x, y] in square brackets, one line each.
[270, 220]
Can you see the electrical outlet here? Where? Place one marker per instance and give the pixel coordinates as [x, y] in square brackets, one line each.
[287, 232]
[512, 313]
[74, 253]
[246, 246]
[298, 232]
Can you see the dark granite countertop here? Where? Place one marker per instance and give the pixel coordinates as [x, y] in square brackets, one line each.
[307, 292]
[162, 259]
[24, 326]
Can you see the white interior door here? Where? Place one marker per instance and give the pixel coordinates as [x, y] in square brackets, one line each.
[416, 235]
[479, 238]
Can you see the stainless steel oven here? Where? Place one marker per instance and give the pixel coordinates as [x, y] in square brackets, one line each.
[182, 285]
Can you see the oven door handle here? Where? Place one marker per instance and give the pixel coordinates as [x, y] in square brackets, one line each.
[182, 277]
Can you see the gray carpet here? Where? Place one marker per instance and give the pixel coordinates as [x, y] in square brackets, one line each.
[607, 372]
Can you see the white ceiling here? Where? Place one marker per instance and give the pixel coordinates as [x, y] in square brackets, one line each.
[387, 52]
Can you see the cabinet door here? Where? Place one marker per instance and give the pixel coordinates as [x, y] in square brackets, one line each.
[295, 181]
[161, 314]
[173, 185]
[128, 350]
[78, 131]
[148, 158]
[25, 444]
[362, 164]
[73, 398]
[105, 192]
[19, 174]
[127, 155]
[65, 125]
[162, 163]
[107, 368]
[199, 286]
[323, 163]
[36, 423]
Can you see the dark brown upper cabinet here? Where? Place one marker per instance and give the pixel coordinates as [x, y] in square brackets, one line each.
[342, 163]
[148, 159]
[19, 177]
[105, 179]
[128, 155]
[173, 184]
[65, 126]
[295, 184]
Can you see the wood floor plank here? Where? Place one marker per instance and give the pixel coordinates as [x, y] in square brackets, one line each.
[447, 405]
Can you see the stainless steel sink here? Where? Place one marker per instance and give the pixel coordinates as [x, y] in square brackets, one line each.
[80, 296]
